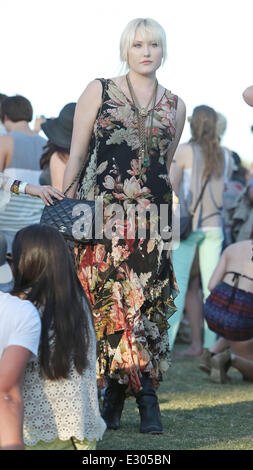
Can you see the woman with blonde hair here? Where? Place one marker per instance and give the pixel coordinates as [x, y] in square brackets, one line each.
[199, 167]
[126, 131]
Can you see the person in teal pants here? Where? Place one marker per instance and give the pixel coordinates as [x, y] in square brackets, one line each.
[195, 162]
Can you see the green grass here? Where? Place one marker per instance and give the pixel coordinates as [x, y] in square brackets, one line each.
[196, 413]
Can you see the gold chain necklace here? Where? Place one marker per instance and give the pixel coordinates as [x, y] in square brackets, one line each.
[142, 114]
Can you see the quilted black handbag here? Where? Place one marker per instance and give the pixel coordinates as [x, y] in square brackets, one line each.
[75, 218]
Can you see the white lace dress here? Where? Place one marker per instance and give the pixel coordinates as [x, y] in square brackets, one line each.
[62, 408]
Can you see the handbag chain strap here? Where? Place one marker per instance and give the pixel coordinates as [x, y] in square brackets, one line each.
[96, 145]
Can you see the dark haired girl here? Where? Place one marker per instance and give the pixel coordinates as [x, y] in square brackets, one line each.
[59, 392]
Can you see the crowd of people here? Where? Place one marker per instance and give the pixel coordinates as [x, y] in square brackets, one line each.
[75, 320]
[224, 216]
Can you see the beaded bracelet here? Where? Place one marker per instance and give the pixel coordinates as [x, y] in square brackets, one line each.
[22, 187]
[15, 186]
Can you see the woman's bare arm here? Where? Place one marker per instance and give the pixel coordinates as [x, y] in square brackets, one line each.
[12, 366]
[181, 160]
[85, 115]
[57, 167]
[180, 121]
[176, 170]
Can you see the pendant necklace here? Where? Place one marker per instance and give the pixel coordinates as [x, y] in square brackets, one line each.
[142, 114]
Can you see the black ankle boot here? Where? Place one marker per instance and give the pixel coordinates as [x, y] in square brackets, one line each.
[113, 404]
[149, 408]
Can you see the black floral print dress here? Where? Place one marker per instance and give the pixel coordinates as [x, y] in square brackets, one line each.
[124, 277]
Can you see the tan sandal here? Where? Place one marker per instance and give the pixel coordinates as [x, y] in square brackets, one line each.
[220, 364]
[204, 363]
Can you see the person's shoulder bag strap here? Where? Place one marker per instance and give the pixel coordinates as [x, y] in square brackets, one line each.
[200, 196]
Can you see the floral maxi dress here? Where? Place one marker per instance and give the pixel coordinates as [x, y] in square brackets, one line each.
[124, 277]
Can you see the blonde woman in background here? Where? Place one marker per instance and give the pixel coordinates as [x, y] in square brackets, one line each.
[139, 128]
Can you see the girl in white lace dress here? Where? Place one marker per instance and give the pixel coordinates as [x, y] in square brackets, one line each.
[61, 409]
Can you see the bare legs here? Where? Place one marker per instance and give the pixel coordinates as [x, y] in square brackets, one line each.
[243, 348]
[194, 310]
[220, 346]
[245, 366]
[241, 357]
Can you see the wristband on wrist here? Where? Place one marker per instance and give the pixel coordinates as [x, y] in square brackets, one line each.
[22, 187]
[15, 187]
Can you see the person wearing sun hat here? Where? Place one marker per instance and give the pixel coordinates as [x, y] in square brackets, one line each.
[59, 133]
[6, 278]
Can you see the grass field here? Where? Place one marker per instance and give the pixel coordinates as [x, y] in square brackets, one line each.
[196, 413]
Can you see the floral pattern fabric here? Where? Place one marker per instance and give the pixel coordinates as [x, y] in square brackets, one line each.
[125, 276]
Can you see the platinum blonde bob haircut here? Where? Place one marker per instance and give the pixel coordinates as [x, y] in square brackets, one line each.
[146, 26]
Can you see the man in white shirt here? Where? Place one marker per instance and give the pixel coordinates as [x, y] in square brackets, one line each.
[20, 329]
